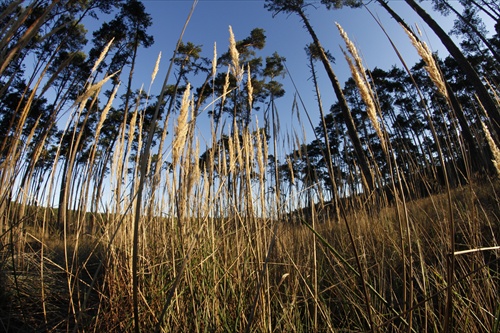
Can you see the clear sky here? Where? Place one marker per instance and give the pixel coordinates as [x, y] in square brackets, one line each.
[286, 35]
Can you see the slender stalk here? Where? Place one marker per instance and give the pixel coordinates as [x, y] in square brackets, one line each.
[143, 167]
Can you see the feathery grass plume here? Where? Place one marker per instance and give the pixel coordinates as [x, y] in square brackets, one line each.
[352, 49]
[206, 189]
[105, 111]
[214, 61]
[496, 95]
[249, 88]
[298, 144]
[104, 114]
[116, 163]
[494, 148]
[359, 77]
[225, 88]
[182, 127]
[93, 89]
[122, 151]
[139, 135]
[431, 68]
[367, 96]
[102, 55]
[235, 56]
[211, 152]
[132, 126]
[249, 152]
[157, 67]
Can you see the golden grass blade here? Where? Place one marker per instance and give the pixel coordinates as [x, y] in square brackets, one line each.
[181, 130]
[431, 68]
[93, 89]
[249, 89]
[102, 55]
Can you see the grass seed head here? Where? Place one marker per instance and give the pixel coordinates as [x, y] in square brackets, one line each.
[235, 55]
[237, 146]
[105, 111]
[182, 127]
[102, 55]
[214, 61]
[493, 147]
[249, 89]
[157, 67]
[352, 49]
[431, 68]
[365, 92]
[93, 89]
[225, 88]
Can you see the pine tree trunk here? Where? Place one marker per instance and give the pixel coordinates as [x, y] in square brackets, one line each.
[477, 157]
[490, 47]
[346, 113]
[484, 97]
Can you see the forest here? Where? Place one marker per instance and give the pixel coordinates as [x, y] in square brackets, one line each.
[119, 214]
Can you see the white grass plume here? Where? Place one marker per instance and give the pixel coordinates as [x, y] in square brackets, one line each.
[157, 67]
[359, 77]
[105, 111]
[93, 89]
[181, 130]
[352, 49]
[431, 68]
[225, 88]
[235, 56]
[249, 89]
[214, 61]
[102, 55]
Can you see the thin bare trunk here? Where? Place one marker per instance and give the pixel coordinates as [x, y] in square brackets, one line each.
[351, 126]
[487, 101]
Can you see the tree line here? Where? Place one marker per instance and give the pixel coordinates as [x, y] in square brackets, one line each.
[410, 108]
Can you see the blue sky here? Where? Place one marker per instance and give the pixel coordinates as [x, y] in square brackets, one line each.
[286, 35]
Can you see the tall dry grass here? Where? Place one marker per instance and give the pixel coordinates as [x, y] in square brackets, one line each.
[209, 247]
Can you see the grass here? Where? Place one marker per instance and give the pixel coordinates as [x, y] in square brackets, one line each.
[207, 247]
[224, 272]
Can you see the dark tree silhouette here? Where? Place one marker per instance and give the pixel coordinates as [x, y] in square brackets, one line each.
[297, 7]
